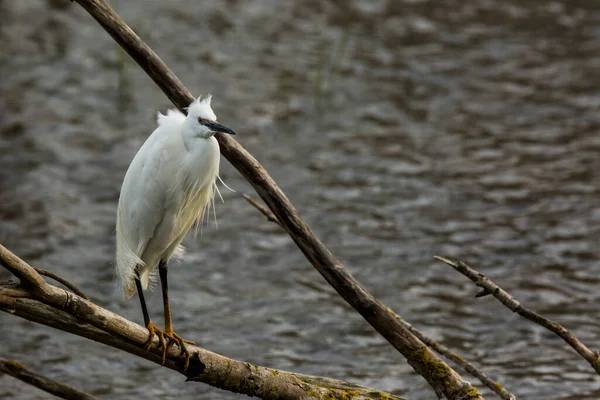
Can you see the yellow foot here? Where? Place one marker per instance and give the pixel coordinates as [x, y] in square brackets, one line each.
[175, 338]
[172, 337]
[153, 330]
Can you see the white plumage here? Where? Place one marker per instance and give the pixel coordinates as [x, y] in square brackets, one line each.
[168, 187]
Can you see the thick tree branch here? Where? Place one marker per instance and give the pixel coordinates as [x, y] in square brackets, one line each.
[438, 347]
[443, 379]
[66, 311]
[48, 385]
[512, 304]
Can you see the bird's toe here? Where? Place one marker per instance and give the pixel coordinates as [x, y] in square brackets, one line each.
[152, 331]
[176, 339]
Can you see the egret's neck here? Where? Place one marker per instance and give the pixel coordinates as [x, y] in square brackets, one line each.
[201, 164]
[191, 133]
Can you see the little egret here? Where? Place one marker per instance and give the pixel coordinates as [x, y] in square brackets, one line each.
[169, 187]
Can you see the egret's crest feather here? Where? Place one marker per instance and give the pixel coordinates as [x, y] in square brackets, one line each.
[201, 108]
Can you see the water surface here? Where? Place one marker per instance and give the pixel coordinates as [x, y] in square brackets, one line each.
[400, 130]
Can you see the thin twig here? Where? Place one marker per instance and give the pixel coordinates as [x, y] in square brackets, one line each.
[443, 379]
[511, 303]
[48, 385]
[264, 210]
[62, 281]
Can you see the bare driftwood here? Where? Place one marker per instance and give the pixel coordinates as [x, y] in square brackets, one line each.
[443, 379]
[38, 301]
[48, 385]
[438, 347]
[512, 304]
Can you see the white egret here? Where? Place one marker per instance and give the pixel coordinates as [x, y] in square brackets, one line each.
[169, 187]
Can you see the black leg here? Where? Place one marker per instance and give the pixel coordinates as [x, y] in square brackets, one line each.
[140, 291]
[162, 272]
[168, 332]
[152, 330]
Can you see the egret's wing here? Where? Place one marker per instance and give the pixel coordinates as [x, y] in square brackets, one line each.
[141, 210]
[143, 203]
[144, 193]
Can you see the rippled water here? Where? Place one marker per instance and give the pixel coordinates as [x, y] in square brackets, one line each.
[400, 129]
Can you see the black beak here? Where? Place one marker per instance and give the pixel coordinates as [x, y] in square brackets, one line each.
[215, 127]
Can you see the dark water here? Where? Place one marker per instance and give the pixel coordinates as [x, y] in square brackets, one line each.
[400, 129]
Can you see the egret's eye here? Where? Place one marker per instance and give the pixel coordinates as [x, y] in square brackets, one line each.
[201, 121]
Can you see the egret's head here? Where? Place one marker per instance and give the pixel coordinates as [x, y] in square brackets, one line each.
[201, 121]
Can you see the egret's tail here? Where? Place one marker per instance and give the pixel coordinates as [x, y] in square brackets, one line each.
[126, 265]
[129, 287]
[148, 275]
[128, 291]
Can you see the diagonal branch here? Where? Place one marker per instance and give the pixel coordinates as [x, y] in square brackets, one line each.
[438, 347]
[512, 304]
[443, 379]
[68, 312]
[48, 385]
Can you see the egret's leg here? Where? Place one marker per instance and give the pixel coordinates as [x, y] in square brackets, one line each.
[152, 330]
[140, 291]
[169, 333]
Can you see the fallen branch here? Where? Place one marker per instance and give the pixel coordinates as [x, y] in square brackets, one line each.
[438, 347]
[443, 379]
[68, 312]
[512, 304]
[48, 385]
